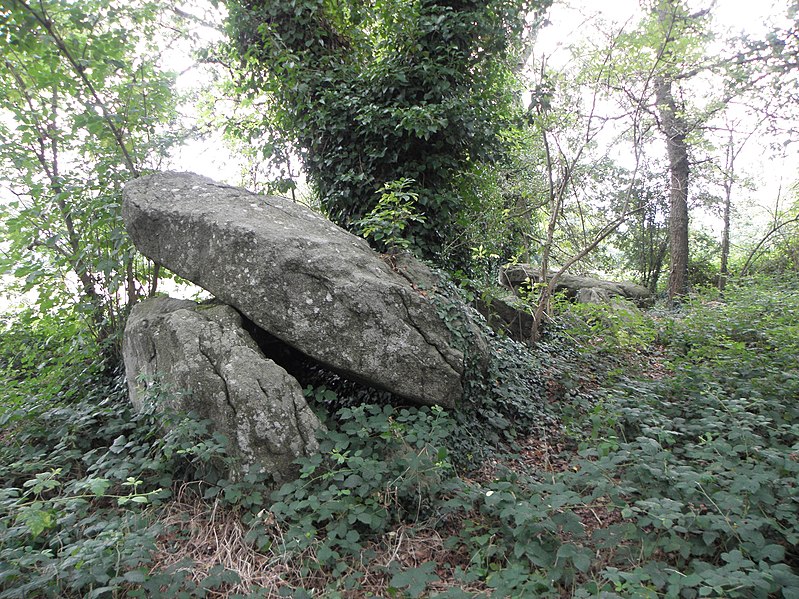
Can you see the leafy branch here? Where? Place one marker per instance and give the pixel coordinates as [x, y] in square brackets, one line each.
[47, 24]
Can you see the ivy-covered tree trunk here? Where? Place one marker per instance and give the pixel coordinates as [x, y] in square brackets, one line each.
[675, 129]
[384, 91]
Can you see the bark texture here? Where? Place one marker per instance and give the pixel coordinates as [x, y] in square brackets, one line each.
[675, 129]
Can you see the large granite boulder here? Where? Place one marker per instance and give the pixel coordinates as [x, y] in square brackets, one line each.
[582, 289]
[301, 278]
[207, 363]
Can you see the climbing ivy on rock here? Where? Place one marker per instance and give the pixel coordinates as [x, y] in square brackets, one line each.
[375, 92]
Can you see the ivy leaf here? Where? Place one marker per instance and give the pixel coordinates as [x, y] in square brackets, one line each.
[416, 579]
[98, 486]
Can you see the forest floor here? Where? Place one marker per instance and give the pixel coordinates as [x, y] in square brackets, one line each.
[670, 469]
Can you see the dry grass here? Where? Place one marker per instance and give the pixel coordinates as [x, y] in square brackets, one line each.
[207, 535]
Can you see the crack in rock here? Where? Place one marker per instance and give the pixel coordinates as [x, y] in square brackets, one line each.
[221, 376]
[452, 361]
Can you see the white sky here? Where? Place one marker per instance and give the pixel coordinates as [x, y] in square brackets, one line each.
[567, 16]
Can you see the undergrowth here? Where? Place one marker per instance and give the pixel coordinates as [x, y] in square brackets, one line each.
[82, 485]
[680, 481]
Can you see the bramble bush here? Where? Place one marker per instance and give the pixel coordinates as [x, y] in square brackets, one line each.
[81, 485]
[380, 468]
[697, 472]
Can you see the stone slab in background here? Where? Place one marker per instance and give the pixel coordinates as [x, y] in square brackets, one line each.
[508, 315]
[583, 289]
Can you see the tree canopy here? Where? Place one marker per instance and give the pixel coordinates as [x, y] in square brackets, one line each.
[86, 106]
[372, 93]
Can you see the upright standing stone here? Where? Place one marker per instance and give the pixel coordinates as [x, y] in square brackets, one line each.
[207, 363]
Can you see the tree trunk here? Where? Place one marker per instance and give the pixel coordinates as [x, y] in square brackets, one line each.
[724, 271]
[657, 266]
[555, 204]
[675, 129]
[729, 180]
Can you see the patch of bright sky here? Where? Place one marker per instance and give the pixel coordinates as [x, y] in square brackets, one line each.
[209, 156]
[568, 19]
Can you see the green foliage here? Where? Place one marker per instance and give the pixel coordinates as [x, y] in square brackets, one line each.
[81, 484]
[515, 536]
[703, 264]
[611, 329]
[778, 252]
[374, 92]
[644, 240]
[505, 214]
[44, 360]
[377, 468]
[503, 386]
[683, 486]
[386, 222]
[704, 466]
[703, 486]
[415, 579]
[85, 107]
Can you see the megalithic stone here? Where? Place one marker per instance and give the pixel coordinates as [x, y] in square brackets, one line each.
[303, 279]
[204, 361]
